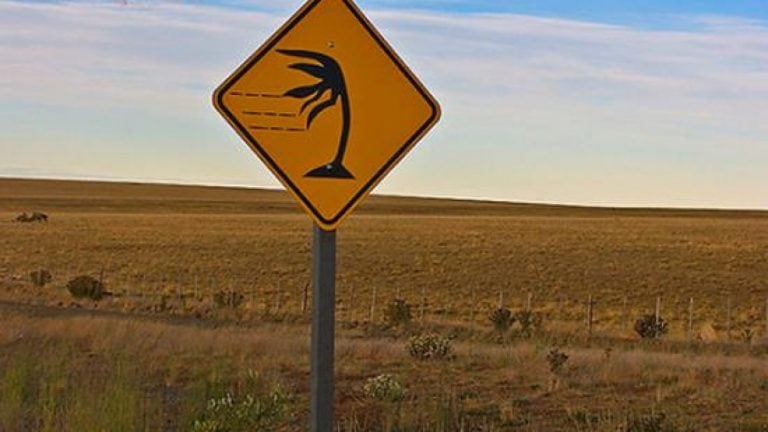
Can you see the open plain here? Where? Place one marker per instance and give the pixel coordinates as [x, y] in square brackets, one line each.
[165, 339]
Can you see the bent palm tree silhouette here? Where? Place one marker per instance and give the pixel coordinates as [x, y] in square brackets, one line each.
[331, 80]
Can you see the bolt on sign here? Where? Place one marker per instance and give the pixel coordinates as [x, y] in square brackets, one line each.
[328, 106]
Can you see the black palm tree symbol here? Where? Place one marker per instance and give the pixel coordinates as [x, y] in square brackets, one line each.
[331, 80]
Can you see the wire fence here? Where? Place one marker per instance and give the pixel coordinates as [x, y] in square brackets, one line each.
[725, 319]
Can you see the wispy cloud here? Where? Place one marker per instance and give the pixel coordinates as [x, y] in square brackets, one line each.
[536, 108]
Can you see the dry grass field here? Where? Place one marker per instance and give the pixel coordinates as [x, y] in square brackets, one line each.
[460, 255]
[165, 251]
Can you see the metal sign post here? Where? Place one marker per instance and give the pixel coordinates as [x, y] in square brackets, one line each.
[323, 332]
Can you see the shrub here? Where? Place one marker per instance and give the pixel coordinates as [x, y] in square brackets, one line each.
[398, 312]
[556, 360]
[231, 413]
[86, 287]
[253, 405]
[40, 277]
[501, 319]
[653, 422]
[529, 321]
[429, 346]
[648, 328]
[747, 334]
[384, 388]
[228, 298]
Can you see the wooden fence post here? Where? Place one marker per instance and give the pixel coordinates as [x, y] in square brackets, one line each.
[423, 303]
[373, 305]
[277, 298]
[690, 320]
[501, 298]
[625, 312]
[180, 288]
[728, 318]
[590, 314]
[766, 319]
[473, 300]
[658, 310]
[528, 303]
[304, 299]
[351, 308]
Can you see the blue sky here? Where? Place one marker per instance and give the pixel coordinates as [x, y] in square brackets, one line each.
[601, 10]
[655, 103]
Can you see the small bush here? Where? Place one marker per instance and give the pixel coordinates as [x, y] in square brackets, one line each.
[253, 404]
[429, 346]
[653, 422]
[86, 287]
[648, 328]
[398, 312]
[501, 319]
[556, 360]
[231, 413]
[747, 334]
[40, 277]
[529, 321]
[384, 388]
[228, 298]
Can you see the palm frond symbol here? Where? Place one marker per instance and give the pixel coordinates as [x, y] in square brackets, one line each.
[331, 77]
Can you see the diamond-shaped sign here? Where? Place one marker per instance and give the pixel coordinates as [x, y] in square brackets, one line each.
[328, 106]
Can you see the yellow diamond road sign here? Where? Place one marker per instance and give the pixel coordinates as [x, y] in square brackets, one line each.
[328, 106]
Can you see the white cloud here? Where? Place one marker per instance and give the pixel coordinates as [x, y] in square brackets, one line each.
[555, 102]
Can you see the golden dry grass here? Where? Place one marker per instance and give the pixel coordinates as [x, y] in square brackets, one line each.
[510, 385]
[151, 239]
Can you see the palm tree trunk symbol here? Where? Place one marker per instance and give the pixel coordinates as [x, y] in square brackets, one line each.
[331, 80]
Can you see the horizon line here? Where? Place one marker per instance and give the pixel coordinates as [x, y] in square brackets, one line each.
[183, 183]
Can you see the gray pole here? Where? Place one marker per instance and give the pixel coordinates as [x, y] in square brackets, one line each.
[322, 349]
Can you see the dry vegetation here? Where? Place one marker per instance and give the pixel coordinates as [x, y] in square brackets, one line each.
[150, 243]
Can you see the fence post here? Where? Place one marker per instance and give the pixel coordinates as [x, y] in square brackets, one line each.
[304, 299]
[423, 302]
[690, 320]
[728, 318]
[180, 287]
[625, 312]
[658, 311]
[473, 301]
[528, 303]
[197, 287]
[501, 298]
[590, 314]
[373, 305]
[352, 304]
[277, 298]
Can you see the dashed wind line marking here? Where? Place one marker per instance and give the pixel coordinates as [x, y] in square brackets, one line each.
[275, 129]
[257, 95]
[269, 114]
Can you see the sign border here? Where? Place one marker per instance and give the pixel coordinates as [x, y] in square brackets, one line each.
[333, 222]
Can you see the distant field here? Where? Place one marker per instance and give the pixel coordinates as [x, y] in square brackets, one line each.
[159, 239]
[154, 355]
